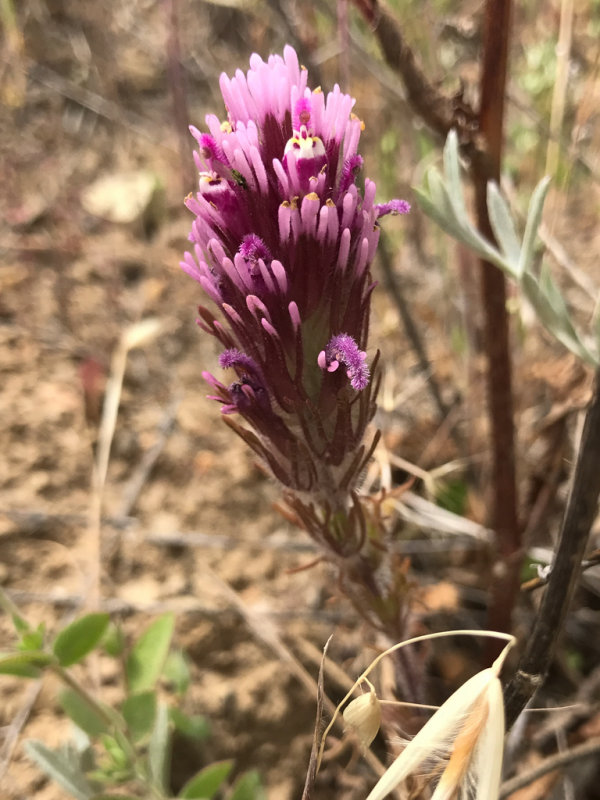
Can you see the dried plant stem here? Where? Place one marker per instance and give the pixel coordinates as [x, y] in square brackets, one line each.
[589, 748]
[559, 95]
[582, 507]
[7, 605]
[486, 167]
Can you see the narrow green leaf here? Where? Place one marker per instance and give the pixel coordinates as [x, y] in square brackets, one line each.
[59, 767]
[145, 662]
[206, 783]
[82, 713]
[139, 712]
[24, 665]
[503, 226]
[248, 787]
[79, 638]
[194, 726]
[534, 217]
[159, 749]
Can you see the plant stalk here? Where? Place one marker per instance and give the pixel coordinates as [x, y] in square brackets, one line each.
[580, 513]
[486, 167]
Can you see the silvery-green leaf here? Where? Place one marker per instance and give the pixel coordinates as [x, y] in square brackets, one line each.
[534, 216]
[503, 225]
[440, 196]
[539, 301]
[61, 768]
[437, 206]
[433, 212]
[452, 173]
[560, 326]
[552, 292]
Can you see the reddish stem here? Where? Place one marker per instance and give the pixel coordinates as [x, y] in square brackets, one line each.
[486, 167]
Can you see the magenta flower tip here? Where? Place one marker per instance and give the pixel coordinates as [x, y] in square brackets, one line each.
[253, 248]
[342, 349]
[392, 207]
[235, 358]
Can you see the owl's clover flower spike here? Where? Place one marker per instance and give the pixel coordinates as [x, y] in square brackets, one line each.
[281, 243]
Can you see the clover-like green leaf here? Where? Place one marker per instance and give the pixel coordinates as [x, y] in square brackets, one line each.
[82, 713]
[248, 787]
[139, 712]
[79, 638]
[206, 783]
[147, 658]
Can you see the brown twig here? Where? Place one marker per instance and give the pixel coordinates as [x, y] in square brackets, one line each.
[580, 513]
[436, 110]
[589, 748]
[591, 560]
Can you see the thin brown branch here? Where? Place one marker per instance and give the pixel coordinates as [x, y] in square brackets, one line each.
[591, 560]
[582, 507]
[589, 748]
[436, 109]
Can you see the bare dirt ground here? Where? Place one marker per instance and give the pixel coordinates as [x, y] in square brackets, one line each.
[91, 96]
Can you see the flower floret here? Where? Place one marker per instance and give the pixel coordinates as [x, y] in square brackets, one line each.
[342, 349]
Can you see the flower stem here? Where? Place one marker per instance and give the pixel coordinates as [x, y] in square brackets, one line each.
[582, 507]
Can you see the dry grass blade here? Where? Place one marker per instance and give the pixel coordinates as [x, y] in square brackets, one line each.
[135, 336]
[314, 752]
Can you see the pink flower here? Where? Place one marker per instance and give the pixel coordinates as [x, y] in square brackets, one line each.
[283, 239]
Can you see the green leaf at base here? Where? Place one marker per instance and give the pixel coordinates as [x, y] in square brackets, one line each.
[208, 781]
[79, 638]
